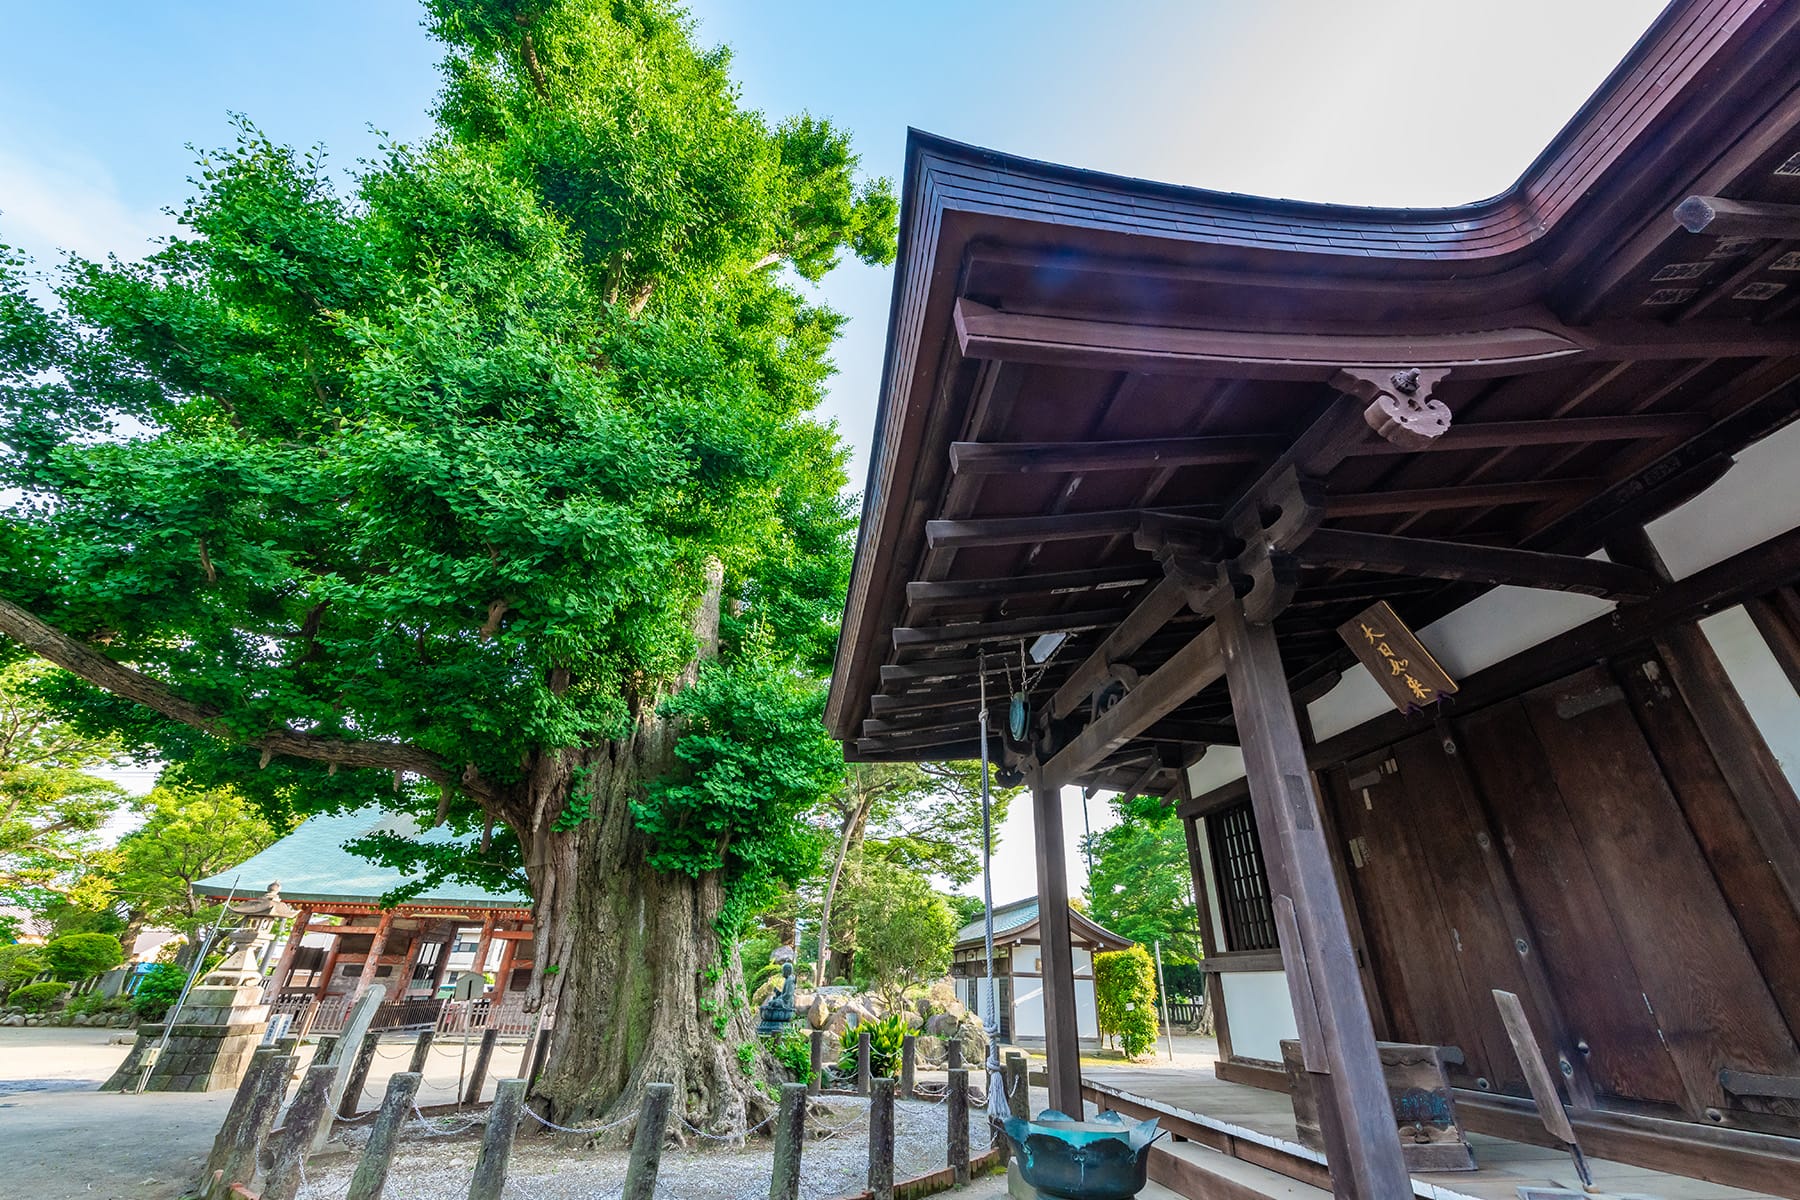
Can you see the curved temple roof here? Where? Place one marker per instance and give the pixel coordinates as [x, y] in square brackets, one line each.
[1070, 351]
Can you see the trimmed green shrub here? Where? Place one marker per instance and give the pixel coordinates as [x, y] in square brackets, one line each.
[18, 964]
[792, 1048]
[38, 997]
[1125, 998]
[885, 1037]
[79, 956]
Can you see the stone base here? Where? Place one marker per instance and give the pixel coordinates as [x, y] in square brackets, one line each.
[215, 1033]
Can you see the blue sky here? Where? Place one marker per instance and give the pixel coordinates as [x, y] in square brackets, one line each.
[1396, 102]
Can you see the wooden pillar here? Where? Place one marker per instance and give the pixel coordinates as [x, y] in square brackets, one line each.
[443, 960]
[414, 946]
[284, 970]
[376, 946]
[482, 943]
[503, 976]
[331, 960]
[1337, 1040]
[1062, 1050]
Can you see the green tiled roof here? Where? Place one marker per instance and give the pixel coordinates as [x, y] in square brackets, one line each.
[1007, 917]
[311, 864]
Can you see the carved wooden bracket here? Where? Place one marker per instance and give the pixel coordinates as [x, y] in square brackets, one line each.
[1253, 559]
[1400, 408]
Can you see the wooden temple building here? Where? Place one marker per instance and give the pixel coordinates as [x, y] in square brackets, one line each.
[1160, 453]
[342, 940]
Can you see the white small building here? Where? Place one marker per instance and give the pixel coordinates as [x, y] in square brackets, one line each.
[1019, 991]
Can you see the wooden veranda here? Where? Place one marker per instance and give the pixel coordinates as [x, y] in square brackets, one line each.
[1147, 448]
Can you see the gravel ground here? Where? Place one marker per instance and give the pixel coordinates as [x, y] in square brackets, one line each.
[432, 1165]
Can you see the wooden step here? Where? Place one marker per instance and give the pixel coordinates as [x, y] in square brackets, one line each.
[1197, 1172]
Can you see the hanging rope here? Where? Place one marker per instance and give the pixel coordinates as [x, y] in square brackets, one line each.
[996, 1090]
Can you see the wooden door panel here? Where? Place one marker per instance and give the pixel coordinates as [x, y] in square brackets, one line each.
[1739, 862]
[1448, 836]
[1709, 1000]
[1410, 943]
[1582, 948]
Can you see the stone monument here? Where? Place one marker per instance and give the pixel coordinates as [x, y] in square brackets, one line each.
[220, 1024]
[778, 1010]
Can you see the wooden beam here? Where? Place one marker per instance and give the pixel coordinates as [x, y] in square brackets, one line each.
[1152, 612]
[1719, 217]
[969, 633]
[1191, 733]
[887, 706]
[1362, 1145]
[1190, 670]
[927, 670]
[929, 740]
[986, 333]
[1024, 458]
[1463, 562]
[1021, 531]
[1478, 495]
[924, 592]
[1562, 431]
[1062, 1049]
[956, 752]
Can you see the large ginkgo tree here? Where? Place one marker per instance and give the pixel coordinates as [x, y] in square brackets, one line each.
[483, 486]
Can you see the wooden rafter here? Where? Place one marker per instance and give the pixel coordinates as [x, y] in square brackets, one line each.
[1149, 616]
[1194, 667]
[1473, 564]
[1720, 217]
[1484, 495]
[970, 633]
[1560, 431]
[1019, 531]
[1020, 458]
[924, 592]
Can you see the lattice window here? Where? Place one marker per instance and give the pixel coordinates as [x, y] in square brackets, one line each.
[1243, 884]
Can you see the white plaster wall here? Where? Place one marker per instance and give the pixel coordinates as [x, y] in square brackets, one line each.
[1213, 907]
[1083, 961]
[1758, 498]
[1259, 1013]
[1761, 682]
[1025, 958]
[1491, 628]
[1216, 768]
[1028, 1008]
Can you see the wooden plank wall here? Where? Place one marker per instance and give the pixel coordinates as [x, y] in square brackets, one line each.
[1584, 847]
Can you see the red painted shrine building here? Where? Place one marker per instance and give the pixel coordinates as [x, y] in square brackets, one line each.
[343, 940]
[1190, 439]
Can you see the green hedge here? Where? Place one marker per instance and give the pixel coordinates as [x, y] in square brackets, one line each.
[38, 997]
[1125, 997]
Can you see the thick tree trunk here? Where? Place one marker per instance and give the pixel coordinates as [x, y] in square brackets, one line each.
[630, 967]
[850, 833]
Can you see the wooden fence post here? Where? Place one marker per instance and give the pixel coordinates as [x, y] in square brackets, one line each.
[309, 1113]
[956, 1113]
[384, 1136]
[790, 1133]
[818, 1062]
[422, 1051]
[483, 1056]
[237, 1114]
[359, 1076]
[862, 1063]
[909, 1063]
[1018, 1084]
[497, 1141]
[235, 1161]
[538, 1055]
[953, 1053]
[647, 1142]
[881, 1140]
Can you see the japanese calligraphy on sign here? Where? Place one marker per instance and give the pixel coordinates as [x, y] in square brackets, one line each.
[1392, 652]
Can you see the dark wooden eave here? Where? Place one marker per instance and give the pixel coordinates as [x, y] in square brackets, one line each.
[1081, 366]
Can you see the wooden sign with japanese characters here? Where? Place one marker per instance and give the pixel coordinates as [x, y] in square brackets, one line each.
[1404, 668]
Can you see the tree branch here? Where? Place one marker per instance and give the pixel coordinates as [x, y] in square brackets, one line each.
[81, 659]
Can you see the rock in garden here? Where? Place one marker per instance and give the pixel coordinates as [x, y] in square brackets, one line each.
[817, 1013]
[941, 1025]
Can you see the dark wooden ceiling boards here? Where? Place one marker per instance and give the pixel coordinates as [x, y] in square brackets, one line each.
[1068, 351]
